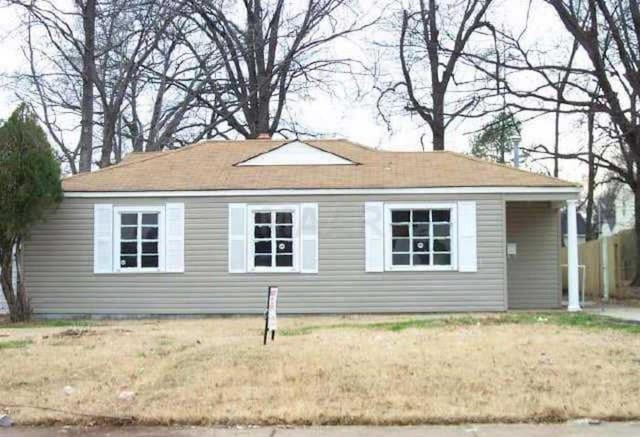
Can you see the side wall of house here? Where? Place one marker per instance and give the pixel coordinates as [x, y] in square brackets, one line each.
[533, 273]
[4, 307]
[59, 265]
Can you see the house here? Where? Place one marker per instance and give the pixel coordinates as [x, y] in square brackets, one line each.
[624, 210]
[339, 227]
[581, 226]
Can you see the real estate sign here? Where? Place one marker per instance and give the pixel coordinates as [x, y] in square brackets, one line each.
[271, 320]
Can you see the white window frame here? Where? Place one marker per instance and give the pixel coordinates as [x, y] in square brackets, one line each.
[388, 260]
[117, 213]
[295, 236]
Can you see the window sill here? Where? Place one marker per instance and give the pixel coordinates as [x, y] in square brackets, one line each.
[134, 272]
[421, 269]
[272, 271]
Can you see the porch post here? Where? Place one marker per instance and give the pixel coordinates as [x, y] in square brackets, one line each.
[572, 256]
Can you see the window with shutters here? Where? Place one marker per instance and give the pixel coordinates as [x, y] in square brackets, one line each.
[420, 236]
[139, 239]
[273, 238]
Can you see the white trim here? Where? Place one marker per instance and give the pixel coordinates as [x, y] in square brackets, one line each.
[573, 277]
[174, 237]
[102, 238]
[117, 211]
[453, 236]
[572, 192]
[374, 236]
[237, 237]
[295, 234]
[313, 238]
[467, 236]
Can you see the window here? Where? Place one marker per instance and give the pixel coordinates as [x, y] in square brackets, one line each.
[273, 234]
[135, 239]
[139, 239]
[420, 237]
[279, 238]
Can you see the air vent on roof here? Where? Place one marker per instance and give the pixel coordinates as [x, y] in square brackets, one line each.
[296, 153]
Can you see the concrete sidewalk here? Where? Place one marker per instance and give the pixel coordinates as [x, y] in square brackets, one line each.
[618, 429]
[616, 311]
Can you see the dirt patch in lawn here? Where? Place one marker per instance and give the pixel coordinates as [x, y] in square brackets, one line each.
[74, 332]
[325, 370]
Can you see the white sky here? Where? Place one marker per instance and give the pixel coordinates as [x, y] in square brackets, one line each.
[341, 116]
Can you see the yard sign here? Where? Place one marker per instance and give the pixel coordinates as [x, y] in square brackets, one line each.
[270, 320]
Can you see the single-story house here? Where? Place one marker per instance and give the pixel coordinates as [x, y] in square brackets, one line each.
[339, 227]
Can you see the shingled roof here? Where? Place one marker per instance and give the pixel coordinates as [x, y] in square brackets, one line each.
[213, 165]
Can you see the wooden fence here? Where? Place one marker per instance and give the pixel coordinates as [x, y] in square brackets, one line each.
[621, 266]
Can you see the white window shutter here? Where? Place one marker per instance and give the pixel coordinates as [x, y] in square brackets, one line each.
[102, 238]
[174, 231]
[237, 237]
[309, 238]
[467, 244]
[374, 236]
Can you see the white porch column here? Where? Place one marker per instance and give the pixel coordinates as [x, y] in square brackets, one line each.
[572, 256]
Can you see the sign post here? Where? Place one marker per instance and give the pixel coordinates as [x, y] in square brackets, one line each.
[270, 317]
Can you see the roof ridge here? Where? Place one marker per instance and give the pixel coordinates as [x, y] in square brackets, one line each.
[356, 144]
[505, 166]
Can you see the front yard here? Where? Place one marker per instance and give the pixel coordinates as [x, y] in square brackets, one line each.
[322, 370]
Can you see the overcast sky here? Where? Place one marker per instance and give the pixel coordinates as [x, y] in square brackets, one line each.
[343, 116]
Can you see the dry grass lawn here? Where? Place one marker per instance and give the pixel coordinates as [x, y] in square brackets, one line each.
[338, 370]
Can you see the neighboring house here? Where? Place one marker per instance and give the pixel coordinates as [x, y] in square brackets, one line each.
[582, 228]
[624, 210]
[339, 227]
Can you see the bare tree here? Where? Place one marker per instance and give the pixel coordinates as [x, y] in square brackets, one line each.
[96, 64]
[560, 91]
[603, 86]
[272, 50]
[88, 50]
[73, 52]
[127, 39]
[609, 33]
[432, 40]
[176, 78]
[591, 231]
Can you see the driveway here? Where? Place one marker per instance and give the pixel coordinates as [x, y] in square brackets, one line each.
[579, 429]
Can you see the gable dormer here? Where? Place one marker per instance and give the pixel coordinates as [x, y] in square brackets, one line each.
[296, 153]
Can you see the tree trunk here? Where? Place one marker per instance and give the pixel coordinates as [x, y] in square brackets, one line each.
[437, 126]
[591, 179]
[108, 137]
[6, 282]
[88, 73]
[263, 118]
[22, 298]
[438, 139]
[556, 139]
[636, 209]
[17, 298]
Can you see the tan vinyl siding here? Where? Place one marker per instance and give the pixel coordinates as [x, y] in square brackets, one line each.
[533, 274]
[59, 263]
